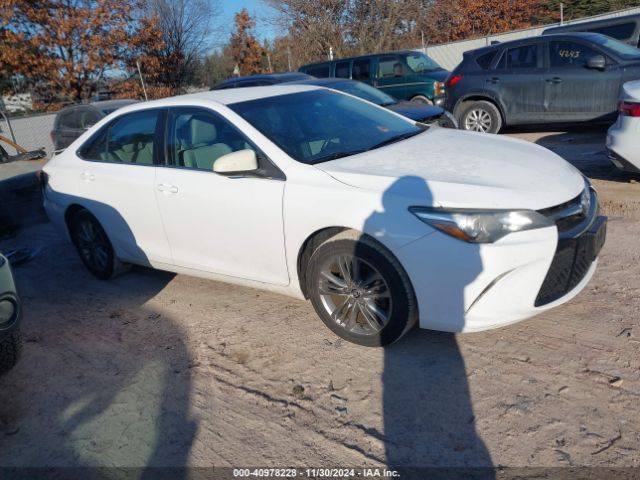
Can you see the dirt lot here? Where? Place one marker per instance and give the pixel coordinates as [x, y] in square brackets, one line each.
[164, 370]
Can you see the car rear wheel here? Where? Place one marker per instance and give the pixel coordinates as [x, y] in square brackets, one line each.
[360, 291]
[10, 349]
[480, 116]
[93, 245]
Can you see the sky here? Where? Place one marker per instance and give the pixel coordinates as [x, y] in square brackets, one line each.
[257, 9]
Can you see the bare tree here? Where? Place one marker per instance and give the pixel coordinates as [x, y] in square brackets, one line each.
[186, 27]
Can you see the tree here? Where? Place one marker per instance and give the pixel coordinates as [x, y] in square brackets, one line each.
[67, 46]
[574, 9]
[245, 48]
[185, 26]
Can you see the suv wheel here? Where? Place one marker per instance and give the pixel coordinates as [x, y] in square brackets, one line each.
[480, 116]
[360, 291]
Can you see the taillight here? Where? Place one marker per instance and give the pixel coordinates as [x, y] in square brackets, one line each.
[52, 134]
[453, 80]
[629, 109]
[43, 177]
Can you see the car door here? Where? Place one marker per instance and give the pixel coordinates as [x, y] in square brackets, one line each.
[573, 91]
[391, 76]
[117, 184]
[228, 225]
[516, 82]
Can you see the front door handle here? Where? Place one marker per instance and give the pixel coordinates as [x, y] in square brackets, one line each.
[554, 80]
[166, 188]
[87, 177]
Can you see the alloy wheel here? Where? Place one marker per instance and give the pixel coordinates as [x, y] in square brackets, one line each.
[93, 245]
[355, 295]
[478, 120]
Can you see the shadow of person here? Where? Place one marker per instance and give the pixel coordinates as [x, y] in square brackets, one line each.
[428, 413]
[104, 379]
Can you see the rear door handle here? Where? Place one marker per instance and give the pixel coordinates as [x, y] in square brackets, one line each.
[87, 177]
[554, 80]
[494, 80]
[166, 188]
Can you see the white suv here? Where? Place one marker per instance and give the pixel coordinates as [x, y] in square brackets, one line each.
[382, 223]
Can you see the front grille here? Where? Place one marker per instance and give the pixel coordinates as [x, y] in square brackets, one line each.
[581, 236]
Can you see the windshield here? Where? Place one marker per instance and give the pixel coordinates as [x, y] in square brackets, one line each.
[364, 91]
[420, 63]
[321, 125]
[622, 50]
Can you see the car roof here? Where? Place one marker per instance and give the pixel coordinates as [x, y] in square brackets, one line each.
[368, 55]
[540, 38]
[224, 97]
[113, 104]
[321, 82]
[278, 77]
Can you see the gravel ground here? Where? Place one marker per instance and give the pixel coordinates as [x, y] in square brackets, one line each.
[156, 369]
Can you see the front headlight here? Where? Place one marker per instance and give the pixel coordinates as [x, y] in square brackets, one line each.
[7, 311]
[481, 226]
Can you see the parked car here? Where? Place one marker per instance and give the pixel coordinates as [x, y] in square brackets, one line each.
[568, 78]
[261, 80]
[623, 139]
[418, 112]
[315, 194]
[74, 120]
[406, 75]
[10, 313]
[626, 28]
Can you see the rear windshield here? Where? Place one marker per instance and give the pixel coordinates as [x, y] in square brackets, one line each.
[322, 125]
[622, 50]
[364, 91]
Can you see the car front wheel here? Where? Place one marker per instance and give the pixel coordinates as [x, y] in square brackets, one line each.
[480, 116]
[360, 291]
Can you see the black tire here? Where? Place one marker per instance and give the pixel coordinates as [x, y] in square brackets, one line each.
[403, 313]
[10, 350]
[99, 257]
[480, 116]
[421, 100]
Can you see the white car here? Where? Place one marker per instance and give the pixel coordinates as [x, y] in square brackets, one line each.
[382, 223]
[623, 139]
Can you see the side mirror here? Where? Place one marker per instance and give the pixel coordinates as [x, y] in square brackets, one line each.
[597, 62]
[243, 161]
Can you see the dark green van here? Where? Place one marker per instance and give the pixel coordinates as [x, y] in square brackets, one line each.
[405, 75]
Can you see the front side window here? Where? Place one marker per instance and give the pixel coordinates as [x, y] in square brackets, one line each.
[127, 139]
[569, 54]
[520, 57]
[389, 67]
[322, 125]
[196, 138]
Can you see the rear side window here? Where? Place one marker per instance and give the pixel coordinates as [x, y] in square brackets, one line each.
[520, 57]
[88, 117]
[68, 120]
[320, 72]
[342, 70]
[485, 61]
[622, 31]
[128, 139]
[569, 54]
[361, 70]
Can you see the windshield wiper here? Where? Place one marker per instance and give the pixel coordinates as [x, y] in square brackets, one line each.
[396, 139]
[337, 155]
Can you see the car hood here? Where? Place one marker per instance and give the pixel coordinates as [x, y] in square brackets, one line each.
[415, 111]
[631, 91]
[454, 169]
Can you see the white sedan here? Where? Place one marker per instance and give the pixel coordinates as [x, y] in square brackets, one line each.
[382, 223]
[623, 139]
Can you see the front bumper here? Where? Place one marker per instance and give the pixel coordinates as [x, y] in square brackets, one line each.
[462, 287]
